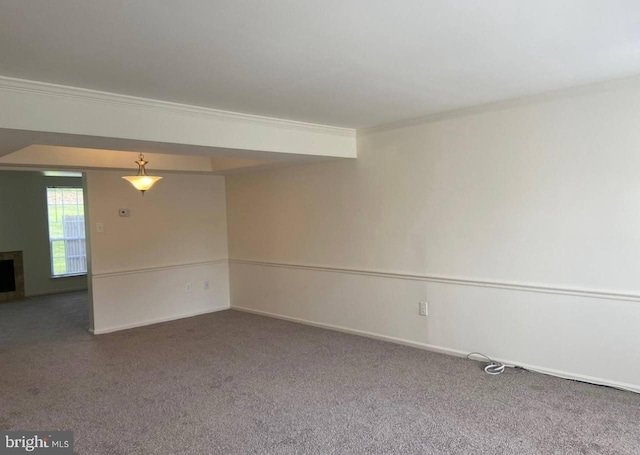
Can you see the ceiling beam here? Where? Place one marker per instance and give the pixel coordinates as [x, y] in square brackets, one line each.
[49, 108]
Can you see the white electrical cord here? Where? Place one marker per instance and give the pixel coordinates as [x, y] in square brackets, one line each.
[493, 367]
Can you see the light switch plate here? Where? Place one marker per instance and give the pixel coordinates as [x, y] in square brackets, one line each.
[423, 308]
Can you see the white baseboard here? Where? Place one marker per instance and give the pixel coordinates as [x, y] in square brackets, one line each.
[55, 291]
[157, 321]
[444, 350]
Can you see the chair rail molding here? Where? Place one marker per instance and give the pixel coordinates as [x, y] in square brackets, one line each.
[507, 285]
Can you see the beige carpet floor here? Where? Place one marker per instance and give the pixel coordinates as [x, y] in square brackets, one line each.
[234, 383]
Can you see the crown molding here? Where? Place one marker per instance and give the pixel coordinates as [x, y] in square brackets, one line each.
[95, 96]
[569, 92]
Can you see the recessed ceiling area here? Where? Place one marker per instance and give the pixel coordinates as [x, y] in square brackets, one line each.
[55, 157]
[39, 150]
[352, 63]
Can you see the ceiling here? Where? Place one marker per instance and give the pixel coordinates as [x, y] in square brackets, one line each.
[351, 63]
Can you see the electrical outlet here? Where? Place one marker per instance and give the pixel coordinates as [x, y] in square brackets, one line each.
[123, 212]
[100, 227]
[423, 308]
[206, 285]
[187, 287]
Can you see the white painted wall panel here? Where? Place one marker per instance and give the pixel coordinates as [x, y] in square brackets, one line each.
[579, 337]
[545, 194]
[176, 234]
[134, 299]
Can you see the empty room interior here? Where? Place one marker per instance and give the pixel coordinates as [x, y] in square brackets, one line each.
[338, 227]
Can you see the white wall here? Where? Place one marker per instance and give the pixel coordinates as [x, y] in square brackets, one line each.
[176, 234]
[519, 226]
[24, 227]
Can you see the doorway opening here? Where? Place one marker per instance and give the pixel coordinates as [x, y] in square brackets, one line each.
[44, 278]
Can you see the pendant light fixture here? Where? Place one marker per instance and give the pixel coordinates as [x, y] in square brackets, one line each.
[142, 182]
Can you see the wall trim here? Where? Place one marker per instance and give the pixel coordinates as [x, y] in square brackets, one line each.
[157, 269]
[443, 350]
[513, 286]
[158, 320]
[504, 104]
[56, 291]
[95, 96]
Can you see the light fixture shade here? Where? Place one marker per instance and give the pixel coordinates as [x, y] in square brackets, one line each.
[142, 182]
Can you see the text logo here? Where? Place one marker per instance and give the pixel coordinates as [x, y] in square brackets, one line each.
[36, 442]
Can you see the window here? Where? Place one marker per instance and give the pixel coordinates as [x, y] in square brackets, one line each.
[66, 231]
